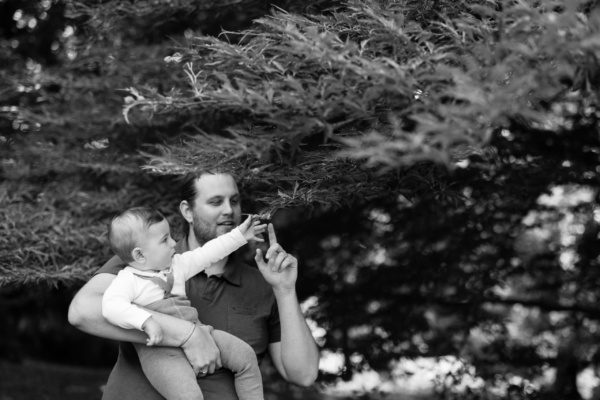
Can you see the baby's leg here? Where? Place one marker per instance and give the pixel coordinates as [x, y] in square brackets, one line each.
[169, 371]
[238, 356]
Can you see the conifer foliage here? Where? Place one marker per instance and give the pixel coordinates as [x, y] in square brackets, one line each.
[337, 106]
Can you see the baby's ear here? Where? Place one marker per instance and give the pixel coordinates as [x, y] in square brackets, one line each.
[138, 256]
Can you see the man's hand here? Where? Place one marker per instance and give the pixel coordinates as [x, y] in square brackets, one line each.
[281, 269]
[251, 228]
[202, 352]
[154, 332]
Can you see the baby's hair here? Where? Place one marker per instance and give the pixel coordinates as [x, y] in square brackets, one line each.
[126, 230]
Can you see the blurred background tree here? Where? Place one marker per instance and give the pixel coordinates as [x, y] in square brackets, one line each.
[434, 165]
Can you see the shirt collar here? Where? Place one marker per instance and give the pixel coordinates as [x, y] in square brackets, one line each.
[150, 273]
[232, 272]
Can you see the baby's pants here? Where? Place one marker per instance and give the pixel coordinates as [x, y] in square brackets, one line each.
[170, 372]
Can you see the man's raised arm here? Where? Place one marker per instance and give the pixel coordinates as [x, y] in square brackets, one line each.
[296, 357]
[85, 314]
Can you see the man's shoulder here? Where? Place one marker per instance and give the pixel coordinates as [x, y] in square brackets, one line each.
[112, 266]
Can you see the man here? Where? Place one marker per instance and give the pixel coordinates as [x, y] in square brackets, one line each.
[259, 306]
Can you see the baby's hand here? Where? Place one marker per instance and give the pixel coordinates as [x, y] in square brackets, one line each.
[252, 227]
[154, 332]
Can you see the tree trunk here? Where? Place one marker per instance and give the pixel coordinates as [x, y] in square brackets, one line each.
[567, 367]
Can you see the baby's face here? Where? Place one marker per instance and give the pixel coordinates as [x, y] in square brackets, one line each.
[159, 247]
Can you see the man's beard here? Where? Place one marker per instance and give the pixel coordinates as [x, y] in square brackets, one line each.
[204, 233]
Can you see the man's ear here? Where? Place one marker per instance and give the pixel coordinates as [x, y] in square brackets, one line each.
[185, 209]
[138, 255]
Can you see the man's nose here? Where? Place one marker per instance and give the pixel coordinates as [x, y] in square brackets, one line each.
[227, 209]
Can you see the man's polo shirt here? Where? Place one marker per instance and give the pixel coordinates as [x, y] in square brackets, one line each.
[239, 301]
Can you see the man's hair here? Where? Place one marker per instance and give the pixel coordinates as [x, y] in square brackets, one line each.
[126, 230]
[188, 190]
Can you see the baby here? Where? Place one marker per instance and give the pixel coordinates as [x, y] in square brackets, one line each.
[155, 279]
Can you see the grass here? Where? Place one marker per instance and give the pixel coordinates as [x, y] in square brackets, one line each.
[42, 381]
[45, 381]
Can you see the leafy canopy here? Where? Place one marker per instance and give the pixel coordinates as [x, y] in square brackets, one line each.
[339, 106]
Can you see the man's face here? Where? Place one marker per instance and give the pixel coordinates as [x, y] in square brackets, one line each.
[216, 208]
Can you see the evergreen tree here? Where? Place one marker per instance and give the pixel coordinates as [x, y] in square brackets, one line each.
[407, 150]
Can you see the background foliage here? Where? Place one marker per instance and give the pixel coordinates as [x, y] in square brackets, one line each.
[434, 165]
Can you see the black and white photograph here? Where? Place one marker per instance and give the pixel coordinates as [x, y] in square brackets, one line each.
[300, 200]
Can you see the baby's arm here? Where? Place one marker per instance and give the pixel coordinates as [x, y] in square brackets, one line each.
[154, 332]
[85, 314]
[195, 261]
[117, 305]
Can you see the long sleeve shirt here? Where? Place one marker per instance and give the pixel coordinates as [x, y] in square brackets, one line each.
[128, 290]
